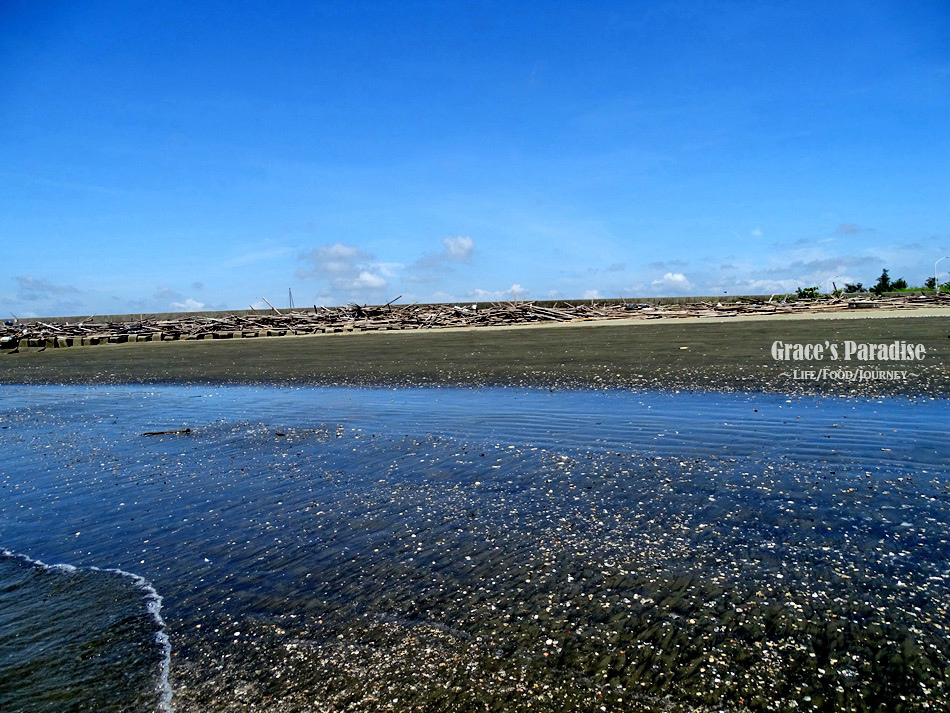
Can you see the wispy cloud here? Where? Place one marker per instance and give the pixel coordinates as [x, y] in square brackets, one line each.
[666, 264]
[189, 305]
[257, 256]
[349, 270]
[169, 298]
[490, 295]
[345, 267]
[759, 287]
[32, 289]
[848, 229]
[434, 266]
[389, 269]
[822, 266]
[37, 296]
[165, 293]
[615, 267]
[440, 296]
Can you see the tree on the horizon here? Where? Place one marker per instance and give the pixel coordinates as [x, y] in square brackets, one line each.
[883, 283]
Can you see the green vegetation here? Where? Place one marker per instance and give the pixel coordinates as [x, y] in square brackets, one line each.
[883, 284]
[931, 282]
[909, 288]
[886, 284]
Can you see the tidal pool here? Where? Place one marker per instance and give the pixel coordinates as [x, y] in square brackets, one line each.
[436, 549]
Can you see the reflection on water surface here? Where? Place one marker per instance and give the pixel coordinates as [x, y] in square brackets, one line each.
[446, 549]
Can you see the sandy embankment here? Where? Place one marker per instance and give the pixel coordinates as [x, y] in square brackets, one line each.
[717, 353]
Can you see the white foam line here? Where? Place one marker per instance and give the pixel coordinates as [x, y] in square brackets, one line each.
[153, 605]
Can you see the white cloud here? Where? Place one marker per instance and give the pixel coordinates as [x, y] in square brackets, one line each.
[347, 268]
[389, 269]
[673, 281]
[491, 295]
[338, 258]
[167, 298]
[434, 266]
[188, 305]
[756, 232]
[458, 249]
[591, 295]
[761, 287]
[367, 280]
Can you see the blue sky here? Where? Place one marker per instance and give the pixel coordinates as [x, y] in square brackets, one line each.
[162, 155]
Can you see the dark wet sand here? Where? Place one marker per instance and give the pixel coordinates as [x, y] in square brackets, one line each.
[726, 354]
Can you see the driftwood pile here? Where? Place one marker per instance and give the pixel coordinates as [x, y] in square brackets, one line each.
[353, 318]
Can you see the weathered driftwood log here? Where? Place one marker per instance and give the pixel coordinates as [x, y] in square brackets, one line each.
[390, 316]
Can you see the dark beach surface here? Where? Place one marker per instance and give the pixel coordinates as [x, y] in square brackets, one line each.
[494, 523]
[707, 354]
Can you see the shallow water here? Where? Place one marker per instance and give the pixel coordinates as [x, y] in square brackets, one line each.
[79, 639]
[451, 549]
